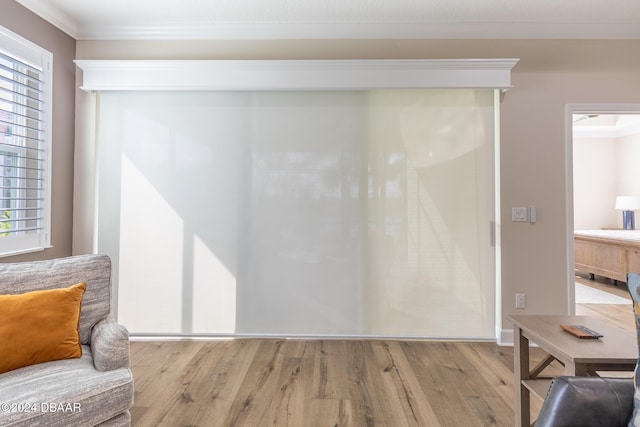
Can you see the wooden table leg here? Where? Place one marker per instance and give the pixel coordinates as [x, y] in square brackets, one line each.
[521, 371]
[573, 370]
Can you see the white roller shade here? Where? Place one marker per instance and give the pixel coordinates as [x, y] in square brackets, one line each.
[313, 213]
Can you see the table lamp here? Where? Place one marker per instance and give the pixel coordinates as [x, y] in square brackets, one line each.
[628, 204]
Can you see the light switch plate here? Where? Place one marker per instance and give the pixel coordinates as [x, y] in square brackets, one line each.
[519, 214]
[521, 301]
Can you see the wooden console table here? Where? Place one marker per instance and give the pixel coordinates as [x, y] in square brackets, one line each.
[617, 350]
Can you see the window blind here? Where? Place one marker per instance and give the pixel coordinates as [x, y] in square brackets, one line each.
[24, 145]
[300, 213]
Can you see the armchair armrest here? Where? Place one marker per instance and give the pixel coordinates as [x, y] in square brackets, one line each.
[110, 345]
[587, 401]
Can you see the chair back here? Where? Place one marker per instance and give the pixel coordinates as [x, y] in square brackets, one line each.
[94, 270]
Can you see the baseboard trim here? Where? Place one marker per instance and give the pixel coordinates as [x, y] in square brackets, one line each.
[194, 336]
[506, 338]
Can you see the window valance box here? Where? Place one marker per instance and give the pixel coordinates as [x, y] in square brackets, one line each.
[106, 75]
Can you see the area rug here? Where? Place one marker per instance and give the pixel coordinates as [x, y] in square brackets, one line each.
[588, 295]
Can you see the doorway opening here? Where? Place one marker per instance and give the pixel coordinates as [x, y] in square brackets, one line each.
[601, 142]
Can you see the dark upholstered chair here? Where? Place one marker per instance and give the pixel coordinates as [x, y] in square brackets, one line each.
[595, 401]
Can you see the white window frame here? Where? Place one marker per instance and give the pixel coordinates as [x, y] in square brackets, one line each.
[21, 49]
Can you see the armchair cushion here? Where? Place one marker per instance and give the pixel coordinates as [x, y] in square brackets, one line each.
[40, 326]
[587, 402]
[88, 397]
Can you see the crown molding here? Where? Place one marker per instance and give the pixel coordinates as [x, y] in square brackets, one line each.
[361, 30]
[54, 16]
[102, 75]
[331, 30]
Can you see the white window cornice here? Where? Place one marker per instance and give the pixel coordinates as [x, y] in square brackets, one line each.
[104, 75]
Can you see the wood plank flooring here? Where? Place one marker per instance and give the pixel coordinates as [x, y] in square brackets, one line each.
[321, 383]
[276, 382]
[619, 315]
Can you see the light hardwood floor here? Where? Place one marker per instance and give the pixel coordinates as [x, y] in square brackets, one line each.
[619, 315]
[250, 382]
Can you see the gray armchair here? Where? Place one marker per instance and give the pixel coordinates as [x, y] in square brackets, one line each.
[594, 401]
[95, 389]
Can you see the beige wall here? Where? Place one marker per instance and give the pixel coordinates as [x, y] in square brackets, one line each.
[595, 183]
[21, 21]
[603, 168]
[628, 170]
[550, 75]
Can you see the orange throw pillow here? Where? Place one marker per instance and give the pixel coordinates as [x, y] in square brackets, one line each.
[40, 326]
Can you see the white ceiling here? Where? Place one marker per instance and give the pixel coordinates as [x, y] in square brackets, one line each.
[605, 125]
[334, 19]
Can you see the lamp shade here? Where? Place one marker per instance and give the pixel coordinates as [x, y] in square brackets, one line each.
[627, 203]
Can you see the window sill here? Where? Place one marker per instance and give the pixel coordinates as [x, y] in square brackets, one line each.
[24, 251]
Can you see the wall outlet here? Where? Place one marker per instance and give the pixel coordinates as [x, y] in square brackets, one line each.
[521, 301]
